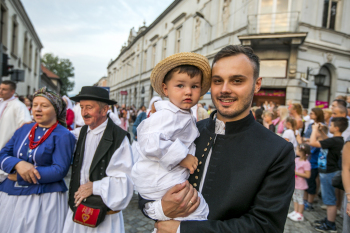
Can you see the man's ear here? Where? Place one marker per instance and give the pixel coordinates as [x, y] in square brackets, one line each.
[257, 85]
[165, 89]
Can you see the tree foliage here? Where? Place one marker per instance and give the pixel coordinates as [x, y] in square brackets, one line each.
[63, 68]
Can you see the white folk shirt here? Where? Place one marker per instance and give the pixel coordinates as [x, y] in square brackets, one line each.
[13, 114]
[3, 104]
[78, 119]
[116, 189]
[164, 140]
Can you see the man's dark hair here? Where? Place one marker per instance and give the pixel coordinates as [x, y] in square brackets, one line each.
[341, 123]
[233, 50]
[340, 102]
[192, 71]
[12, 85]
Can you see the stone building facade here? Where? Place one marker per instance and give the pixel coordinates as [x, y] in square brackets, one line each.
[298, 41]
[22, 45]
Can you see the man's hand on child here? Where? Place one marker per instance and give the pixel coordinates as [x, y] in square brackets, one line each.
[190, 162]
[180, 201]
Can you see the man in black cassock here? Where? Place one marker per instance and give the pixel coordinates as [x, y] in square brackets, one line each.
[245, 171]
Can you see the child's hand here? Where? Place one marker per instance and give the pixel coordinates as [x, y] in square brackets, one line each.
[190, 162]
[315, 126]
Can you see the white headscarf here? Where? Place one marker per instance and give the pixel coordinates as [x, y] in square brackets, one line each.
[69, 102]
[154, 99]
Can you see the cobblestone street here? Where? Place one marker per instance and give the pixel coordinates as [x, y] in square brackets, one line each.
[135, 222]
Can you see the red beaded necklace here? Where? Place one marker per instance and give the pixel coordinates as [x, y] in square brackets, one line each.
[32, 144]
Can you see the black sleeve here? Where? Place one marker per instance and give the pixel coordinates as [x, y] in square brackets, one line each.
[272, 128]
[142, 203]
[327, 143]
[269, 210]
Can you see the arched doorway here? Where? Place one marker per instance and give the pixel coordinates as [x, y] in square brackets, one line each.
[324, 90]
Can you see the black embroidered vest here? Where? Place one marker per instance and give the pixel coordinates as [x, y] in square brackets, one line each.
[112, 138]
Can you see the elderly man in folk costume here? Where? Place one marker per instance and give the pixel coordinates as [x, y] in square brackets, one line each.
[100, 186]
[13, 114]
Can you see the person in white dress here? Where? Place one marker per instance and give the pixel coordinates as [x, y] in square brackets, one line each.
[101, 171]
[13, 114]
[166, 139]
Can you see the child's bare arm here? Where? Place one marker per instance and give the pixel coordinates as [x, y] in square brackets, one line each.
[306, 175]
[313, 138]
[190, 162]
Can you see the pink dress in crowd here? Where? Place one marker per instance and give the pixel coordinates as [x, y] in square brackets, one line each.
[301, 166]
[279, 125]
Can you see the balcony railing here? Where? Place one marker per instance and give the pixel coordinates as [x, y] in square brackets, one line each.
[273, 23]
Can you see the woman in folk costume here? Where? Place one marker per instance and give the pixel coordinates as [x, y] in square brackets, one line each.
[33, 197]
[70, 113]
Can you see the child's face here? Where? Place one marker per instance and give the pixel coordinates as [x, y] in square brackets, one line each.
[332, 129]
[267, 118]
[288, 125]
[182, 90]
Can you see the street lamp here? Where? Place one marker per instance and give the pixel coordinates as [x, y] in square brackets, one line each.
[200, 15]
[319, 79]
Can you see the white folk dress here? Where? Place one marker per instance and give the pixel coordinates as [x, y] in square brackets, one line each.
[116, 189]
[164, 140]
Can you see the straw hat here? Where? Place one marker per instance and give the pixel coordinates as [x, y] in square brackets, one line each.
[178, 59]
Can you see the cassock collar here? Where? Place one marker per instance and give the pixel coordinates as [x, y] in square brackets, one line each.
[232, 127]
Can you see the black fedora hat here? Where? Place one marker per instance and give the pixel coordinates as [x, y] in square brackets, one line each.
[93, 93]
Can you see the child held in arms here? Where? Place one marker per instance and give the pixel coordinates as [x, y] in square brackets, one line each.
[166, 140]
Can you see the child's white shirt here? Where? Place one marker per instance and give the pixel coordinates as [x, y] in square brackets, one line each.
[164, 140]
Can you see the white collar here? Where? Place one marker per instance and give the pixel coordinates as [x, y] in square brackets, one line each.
[5, 101]
[165, 104]
[99, 128]
[219, 125]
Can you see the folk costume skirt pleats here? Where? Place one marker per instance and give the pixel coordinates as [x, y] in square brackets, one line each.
[33, 213]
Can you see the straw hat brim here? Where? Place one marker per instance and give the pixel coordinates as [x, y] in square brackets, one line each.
[178, 59]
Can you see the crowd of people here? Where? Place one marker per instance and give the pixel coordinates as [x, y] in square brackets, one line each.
[318, 138]
[172, 154]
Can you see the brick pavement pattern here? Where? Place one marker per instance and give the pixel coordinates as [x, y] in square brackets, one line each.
[136, 222]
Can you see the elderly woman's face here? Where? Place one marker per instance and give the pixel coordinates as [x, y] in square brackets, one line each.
[43, 112]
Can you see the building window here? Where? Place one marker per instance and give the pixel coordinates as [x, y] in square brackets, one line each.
[36, 62]
[305, 98]
[25, 45]
[165, 40]
[30, 55]
[178, 40]
[144, 61]
[3, 26]
[137, 68]
[275, 16]
[14, 43]
[154, 54]
[329, 13]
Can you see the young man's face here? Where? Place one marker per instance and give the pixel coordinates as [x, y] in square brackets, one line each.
[233, 87]
[6, 92]
[182, 90]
